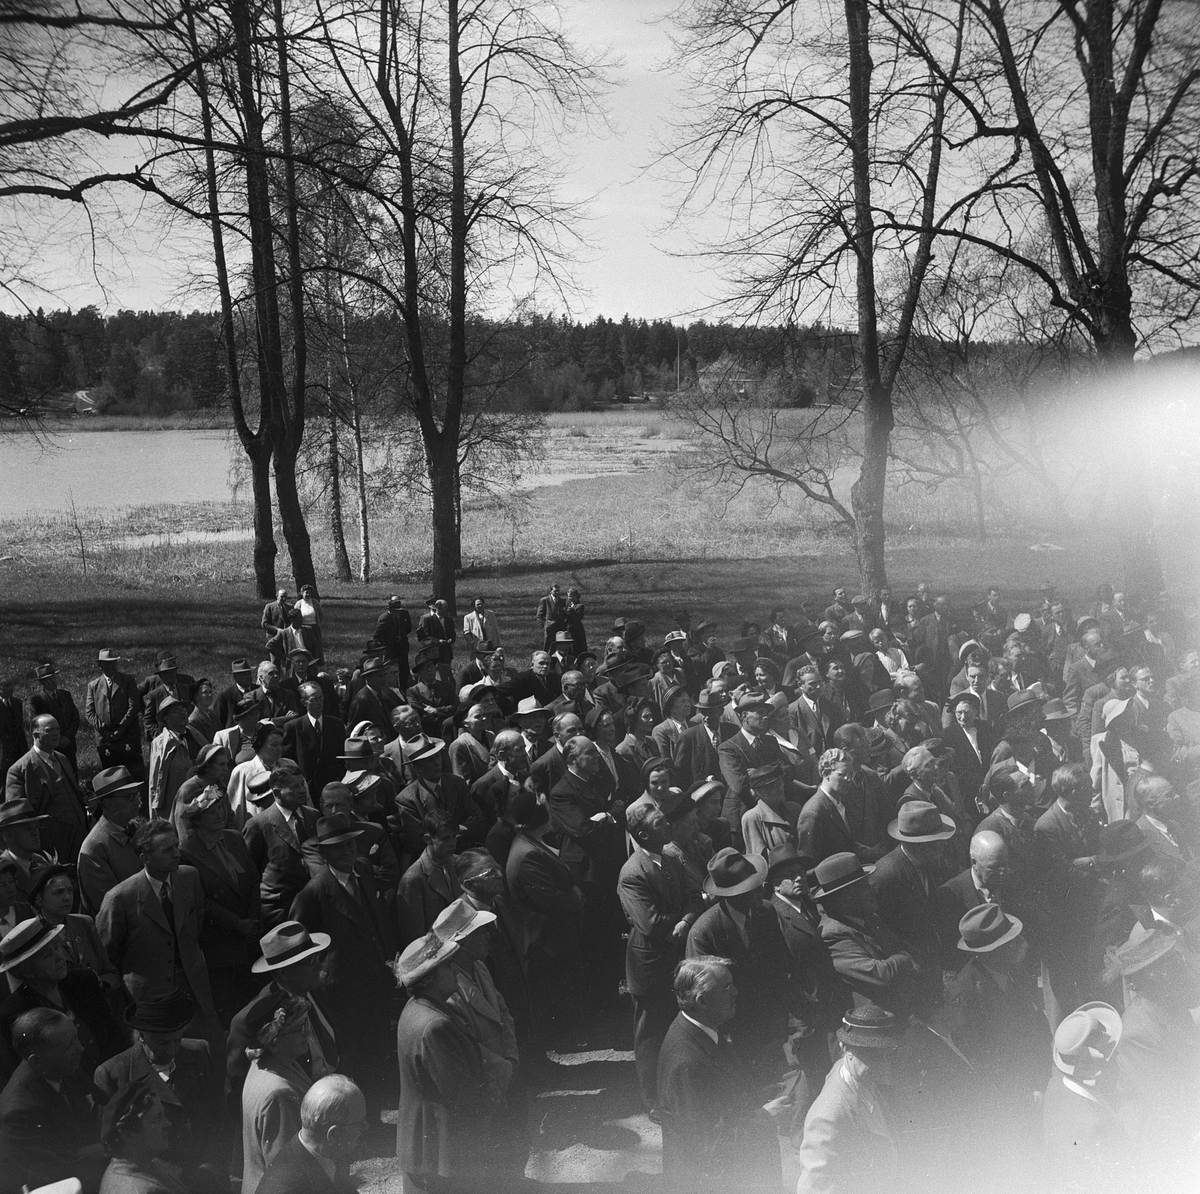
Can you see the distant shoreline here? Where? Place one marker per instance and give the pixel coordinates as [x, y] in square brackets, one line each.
[77, 424]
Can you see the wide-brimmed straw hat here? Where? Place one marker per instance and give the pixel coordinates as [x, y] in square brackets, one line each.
[422, 956]
[460, 919]
[732, 874]
[28, 938]
[1091, 1032]
[286, 944]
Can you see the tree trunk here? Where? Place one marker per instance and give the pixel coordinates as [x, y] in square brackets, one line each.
[265, 549]
[291, 519]
[364, 538]
[341, 559]
[442, 458]
[867, 492]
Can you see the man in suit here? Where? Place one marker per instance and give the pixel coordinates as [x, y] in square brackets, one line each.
[166, 680]
[332, 1118]
[436, 630]
[275, 838]
[433, 788]
[537, 680]
[150, 926]
[20, 835]
[839, 609]
[480, 625]
[696, 756]
[811, 717]
[839, 816]
[547, 908]
[12, 726]
[293, 960]
[276, 614]
[44, 778]
[903, 886]
[107, 855]
[740, 926]
[391, 633]
[493, 791]
[1083, 673]
[169, 761]
[971, 742]
[933, 646]
[57, 703]
[660, 911]
[314, 740]
[751, 747]
[550, 766]
[430, 885]
[985, 881]
[229, 698]
[551, 615]
[434, 699]
[868, 957]
[340, 902]
[715, 1135]
[113, 709]
[275, 703]
[48, 1126]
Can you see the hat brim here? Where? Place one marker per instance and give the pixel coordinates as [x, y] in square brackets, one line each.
[519, 713]
[890, 1039]
[819, 893]
[30, 951]
[750, 883]
[448, 950]
[948, 830]
[1109, 1018]
[1017, 710]
[132, 1019]
[339, 838]
[434, 748]
[1138, 849]
[94, 799]
[24, 821]
[1013, 931]
[320, 943]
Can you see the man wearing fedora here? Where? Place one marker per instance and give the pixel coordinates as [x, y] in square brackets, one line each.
[392, 629]
[12, 726]
[716, 1137]
[868, 957]
[21, 837]
[436, 630]
[313, 739]
[44, 778]
[742, 927]
[36, 963]
[430, 884]
[752, 746]
[850, 1143]
[696, 756]
[275, 838]
[169, 761]
[150, 925]
[660, 909]
[113, 709]
[166, 680]
[903, 886]
[182, 1075]
[432, 697]
[1086, 1144]
[107, 855]
[812, 718]
[433, 788]
[49, 1130]
[292, 962]
[341, 902]
[228, 698]
[57, 703]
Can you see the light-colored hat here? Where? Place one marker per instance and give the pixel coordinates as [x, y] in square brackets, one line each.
[1092, 1031]
[528, 706]
[25, 940]
[460, 920]
[986, 927]
[422, 956]
[920, 821]
[286, 944]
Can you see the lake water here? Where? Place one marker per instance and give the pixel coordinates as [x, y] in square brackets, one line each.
[106, 469]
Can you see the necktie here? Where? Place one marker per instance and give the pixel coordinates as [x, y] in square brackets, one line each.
[168, 907]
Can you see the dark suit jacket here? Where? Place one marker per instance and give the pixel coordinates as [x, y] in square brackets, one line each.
[223, 706]
[547, 769]
[60, 705]
[907, 908]
[318, 759]
[453, 796]
[42, 1132]
[425, 891]
[817, 731]
[31, 779]
[968, 766]
[952, 901]
[391, 633]
[654, 899]
[105, 858]
[526, 684]
[572, 804]
[1078, 677]
[116, 716]
[295, 1171]
[279, 858]
[492, 792]
[226, 900]
[869, 959]
[695, 756]
[360, 942]
[12, 733]
[738, 758]
[812, 972]
[545, 904]
[141, 944]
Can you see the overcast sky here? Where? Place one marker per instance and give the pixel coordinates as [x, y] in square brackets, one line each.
[631, 268]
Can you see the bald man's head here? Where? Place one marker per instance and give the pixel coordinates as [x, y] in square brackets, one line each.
[989, 858]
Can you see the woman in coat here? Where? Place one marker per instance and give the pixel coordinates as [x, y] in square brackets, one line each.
[443, 1125]
[275, 1084]
[229, 935]
[638, 746]
[267, 745]
[52, 897]
[211, 770]
[202, 724]
[135, 1134]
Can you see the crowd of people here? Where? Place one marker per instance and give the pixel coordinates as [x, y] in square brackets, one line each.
[912, 890]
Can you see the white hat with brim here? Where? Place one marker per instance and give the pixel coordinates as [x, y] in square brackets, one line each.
[460, 919]
[24, 940]
[286, 944]
[1113, 709]
[528, 707]
[423, 956]
[1077, 1029]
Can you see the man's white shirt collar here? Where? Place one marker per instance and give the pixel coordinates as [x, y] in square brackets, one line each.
[704, 1028]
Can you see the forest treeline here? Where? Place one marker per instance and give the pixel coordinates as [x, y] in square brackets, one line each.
[161, 362]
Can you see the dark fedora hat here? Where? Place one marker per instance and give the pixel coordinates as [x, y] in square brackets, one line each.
[1022, 702]
[19, 812]
[658, 763]
[753, 698]
[881, 701]
[837, 872]
[484, 646]
[168, 1011]
[782, 859]
[112, 781]
[240, 667]
[704, 625]
[1119, 840]
[711, 700]
[986, 927]
[920, 821]
[1087, 622]
[629, 674]
[168, 663]
[760, 777]
[45, 670]
[246, 705]
[376, 664]
[1055, 709]
[731, 873]
[286, 944]
[332, 831]
[870, 1027]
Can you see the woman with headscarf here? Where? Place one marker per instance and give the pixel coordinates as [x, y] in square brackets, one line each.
[135, 1133]
[275, 1084]
[230, 880]
[267, 744]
